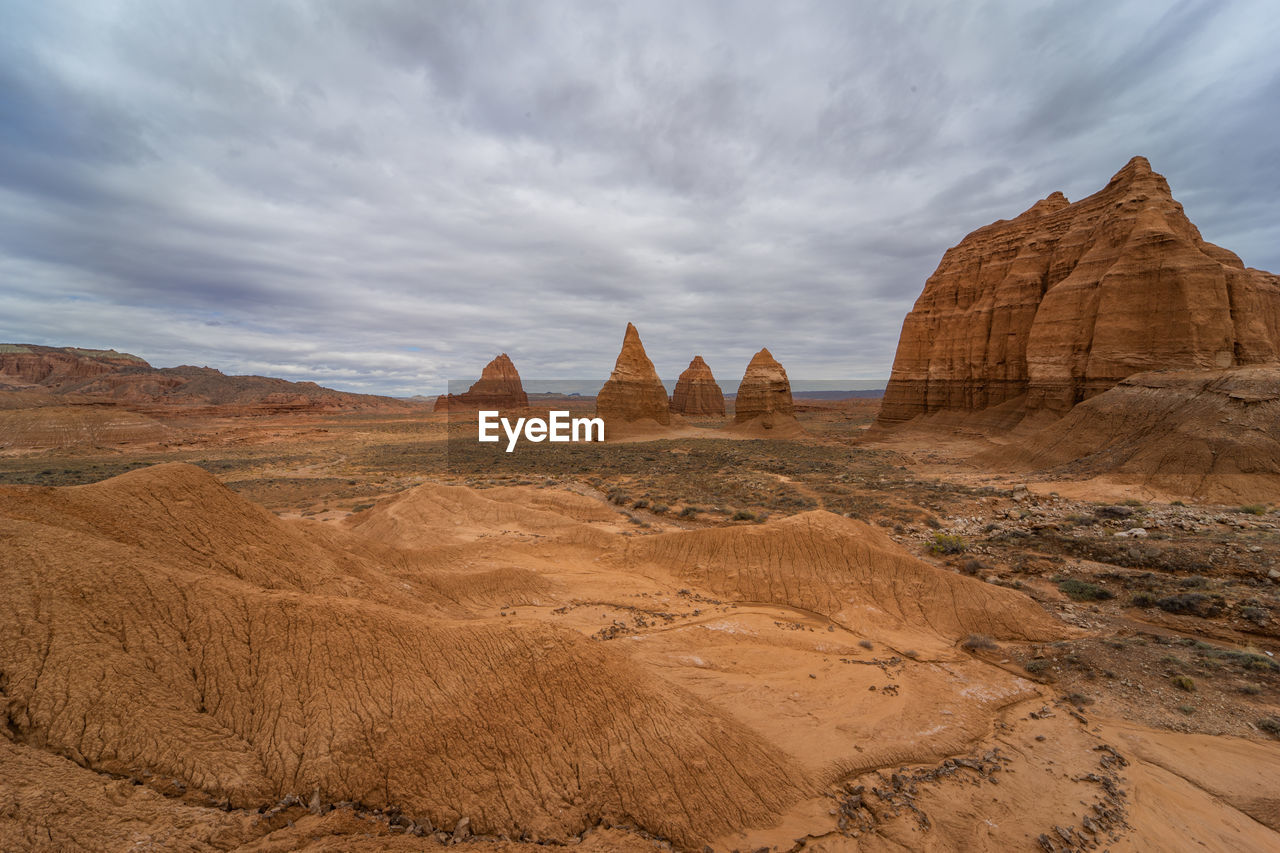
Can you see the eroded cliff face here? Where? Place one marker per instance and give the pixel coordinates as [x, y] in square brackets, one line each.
[1067, 300]
[29, 364]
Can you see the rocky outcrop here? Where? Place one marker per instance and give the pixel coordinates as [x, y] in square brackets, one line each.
[634, 392]
[765, 391]
[697, 393]
[1067, 300]
[498, 388]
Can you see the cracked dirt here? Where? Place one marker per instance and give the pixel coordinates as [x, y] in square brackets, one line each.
[426, 662]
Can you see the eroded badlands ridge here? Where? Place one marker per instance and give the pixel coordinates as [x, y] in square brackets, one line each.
[634, 392]
[1067, 300]
[498, 387]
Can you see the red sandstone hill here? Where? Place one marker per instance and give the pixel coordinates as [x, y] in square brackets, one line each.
[81, 375]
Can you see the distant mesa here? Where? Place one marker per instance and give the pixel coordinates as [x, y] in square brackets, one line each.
[765, 393]
[72, 374]
[697, 393]
[634, 393]
[1039, 313]
[498, 388]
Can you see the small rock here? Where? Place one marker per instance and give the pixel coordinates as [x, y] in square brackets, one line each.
[462, 829]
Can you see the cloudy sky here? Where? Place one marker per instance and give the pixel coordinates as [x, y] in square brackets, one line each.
[379, 196]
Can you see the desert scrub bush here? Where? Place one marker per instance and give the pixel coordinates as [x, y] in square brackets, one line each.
[971, 566]
[948, 543]
[1144, 599]
[1256, 615]
[979, 642]
[689, 512]
[619, 497]
[1133, 502]
[1192, 603]
[1035, 667]
[1187, 709]
[1258, 663]
[1183, 682]
[1078, 590]
[743, 515]
[866, 644]
[1253, 509]
[640, 504]
[1270, 725]
[659, 508]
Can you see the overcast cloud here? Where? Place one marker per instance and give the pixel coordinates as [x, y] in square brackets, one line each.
[379, 196]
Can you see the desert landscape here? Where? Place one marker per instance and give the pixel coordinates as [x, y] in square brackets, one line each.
[1028, 599]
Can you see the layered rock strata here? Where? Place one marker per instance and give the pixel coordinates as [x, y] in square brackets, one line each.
[499, 387]
[1067, 300]
[765, 390]
[697, 392]
[634, 392]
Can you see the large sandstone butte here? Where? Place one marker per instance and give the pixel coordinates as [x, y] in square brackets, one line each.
[499, 387]
[697, 392]
[1067, 300]
[765, 391]
[634, 392]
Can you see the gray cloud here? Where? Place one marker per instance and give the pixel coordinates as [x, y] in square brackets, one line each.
[382, 195]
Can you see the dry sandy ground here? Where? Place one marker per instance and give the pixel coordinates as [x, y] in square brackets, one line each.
[524, 665]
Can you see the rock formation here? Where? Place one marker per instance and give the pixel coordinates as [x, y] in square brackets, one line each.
[498, 388]
[1067, 300]
[71, 374]
[28, 364]
[634, 392]
[1212, 435]
[765, 391]
[697, 392]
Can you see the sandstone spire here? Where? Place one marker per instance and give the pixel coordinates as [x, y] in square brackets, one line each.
[765, 390]
[697, 392]
[499, 387]
[1067, 300]
[634, 391]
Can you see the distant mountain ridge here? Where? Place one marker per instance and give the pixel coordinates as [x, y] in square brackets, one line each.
[73, 374]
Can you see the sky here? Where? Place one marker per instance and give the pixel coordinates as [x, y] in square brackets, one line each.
[380, 196]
